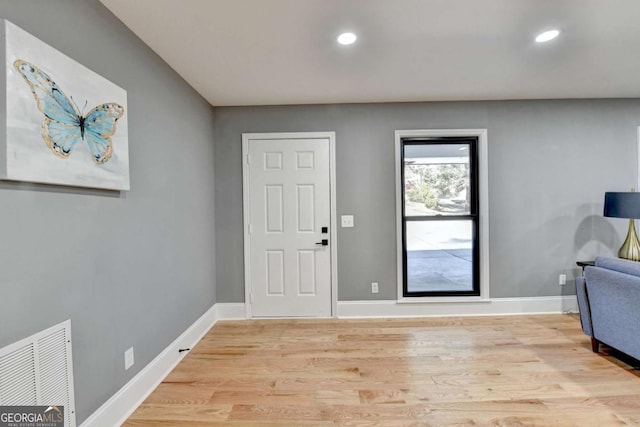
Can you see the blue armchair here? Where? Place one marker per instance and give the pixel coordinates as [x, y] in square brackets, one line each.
[609, 303]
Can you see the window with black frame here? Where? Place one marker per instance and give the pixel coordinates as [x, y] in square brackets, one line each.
[440, 216]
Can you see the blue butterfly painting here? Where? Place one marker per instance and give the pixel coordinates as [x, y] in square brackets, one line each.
[64, 126]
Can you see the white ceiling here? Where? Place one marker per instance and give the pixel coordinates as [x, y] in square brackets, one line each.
[260, 52]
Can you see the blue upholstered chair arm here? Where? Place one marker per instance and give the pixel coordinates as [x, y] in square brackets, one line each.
[583, 305]
[619, 265]
[614, 306]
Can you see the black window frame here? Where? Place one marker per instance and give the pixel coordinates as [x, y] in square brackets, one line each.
[473, 216]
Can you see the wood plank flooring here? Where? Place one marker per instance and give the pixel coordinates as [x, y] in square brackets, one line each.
[471, 371]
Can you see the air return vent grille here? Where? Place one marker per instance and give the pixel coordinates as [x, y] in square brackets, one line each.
[38, 371]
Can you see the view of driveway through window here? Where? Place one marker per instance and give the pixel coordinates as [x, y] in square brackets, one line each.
[438, 250]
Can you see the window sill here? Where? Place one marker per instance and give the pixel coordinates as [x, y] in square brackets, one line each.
[436, 300]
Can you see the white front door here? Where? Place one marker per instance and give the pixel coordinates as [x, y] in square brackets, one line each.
[287, 220]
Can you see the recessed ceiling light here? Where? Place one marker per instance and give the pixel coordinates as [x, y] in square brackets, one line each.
[547, 36]
[347, 38]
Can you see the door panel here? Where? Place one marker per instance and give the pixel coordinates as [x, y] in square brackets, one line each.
[289, 203]
[273, 205]
[306, 208]
[275, 272]
[307, 272]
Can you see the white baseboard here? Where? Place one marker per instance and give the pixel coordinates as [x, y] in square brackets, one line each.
[488, 307]
[393, 308]
[121, 405]
[231, 311]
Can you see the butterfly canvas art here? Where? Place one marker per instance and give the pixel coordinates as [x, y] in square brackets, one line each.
[51, 134]
[64, 126]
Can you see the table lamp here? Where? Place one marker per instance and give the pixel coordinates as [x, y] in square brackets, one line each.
[625, 205]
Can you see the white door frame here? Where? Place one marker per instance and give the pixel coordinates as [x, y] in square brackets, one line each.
[331, 136]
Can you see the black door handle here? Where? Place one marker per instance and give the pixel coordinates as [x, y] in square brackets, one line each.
[325, 242]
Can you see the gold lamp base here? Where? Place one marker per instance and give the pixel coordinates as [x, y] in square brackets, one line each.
[630, 249]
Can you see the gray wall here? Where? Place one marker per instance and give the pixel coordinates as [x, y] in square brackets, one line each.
[129, 269]
[549, 164]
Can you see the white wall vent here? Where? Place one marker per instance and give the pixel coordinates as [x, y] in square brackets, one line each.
[38, 370]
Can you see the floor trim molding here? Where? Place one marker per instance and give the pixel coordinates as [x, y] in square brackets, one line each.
[121, 405]
[393, 308]
[231, 311]
[488, 307]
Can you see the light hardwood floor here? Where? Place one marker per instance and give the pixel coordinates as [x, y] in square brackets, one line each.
[486, 371]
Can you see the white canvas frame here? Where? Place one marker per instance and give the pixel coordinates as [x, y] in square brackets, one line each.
[24, 155]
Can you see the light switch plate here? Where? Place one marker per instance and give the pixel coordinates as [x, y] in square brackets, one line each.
[346, 221]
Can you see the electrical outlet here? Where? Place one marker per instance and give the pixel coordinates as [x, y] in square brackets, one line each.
[374, 287]
[128, 359]
[562, 279]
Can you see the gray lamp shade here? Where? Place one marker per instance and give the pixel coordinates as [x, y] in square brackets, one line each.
[622, 205]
